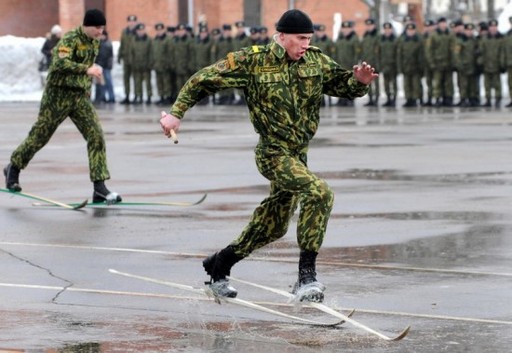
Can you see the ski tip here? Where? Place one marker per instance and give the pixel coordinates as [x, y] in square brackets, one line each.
[111, 270]
[402, 334]
[81, 204]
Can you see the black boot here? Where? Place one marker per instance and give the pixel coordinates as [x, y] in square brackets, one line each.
[428, 103]
[497, 103]
[148, 101]
[125, 101]
[12, 176]
[487, 103]
[218, 267]
[307, 288]
[102, 194]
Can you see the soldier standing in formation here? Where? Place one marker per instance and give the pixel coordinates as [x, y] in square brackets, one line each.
[124, 55]
[466, 51]
[429, 27]
[440, 60]
[225, 45]
[492, 57]
[142, 64]
[507, 45]
[410, 60]
[322, 41]
[370, 53]
[160, 58]
[347, 51]
[202, 50]
[388, 63]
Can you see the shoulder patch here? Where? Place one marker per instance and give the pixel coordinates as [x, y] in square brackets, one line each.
[313, 48]
[63, 51]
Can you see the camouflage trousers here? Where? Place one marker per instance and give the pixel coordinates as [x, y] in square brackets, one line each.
[291, 184]
[56, 105]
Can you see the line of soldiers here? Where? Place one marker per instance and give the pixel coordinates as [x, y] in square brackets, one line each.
[427, 61]
[175, 53]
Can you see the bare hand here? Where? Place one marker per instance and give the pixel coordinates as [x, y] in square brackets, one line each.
[364, 73]
[95, 71]
[169, 123]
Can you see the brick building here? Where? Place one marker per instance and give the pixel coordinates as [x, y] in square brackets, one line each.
[34, 18]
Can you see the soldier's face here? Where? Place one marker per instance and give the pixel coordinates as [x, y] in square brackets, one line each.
[94, 32]
[295, 44]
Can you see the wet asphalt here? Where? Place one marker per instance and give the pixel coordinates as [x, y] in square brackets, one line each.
[420, 235]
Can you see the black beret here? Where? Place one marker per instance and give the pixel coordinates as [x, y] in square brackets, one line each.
[295, 21]
[94, 18]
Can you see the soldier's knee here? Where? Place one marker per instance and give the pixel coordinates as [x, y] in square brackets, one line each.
[324, 195]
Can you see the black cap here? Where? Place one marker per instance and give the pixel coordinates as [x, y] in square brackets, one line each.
[493, 22]
[458, 23]
[295, 21]
[226, 27]
[469, 26]
[441, 19]
[140, 26]
[254, 30]
[239, 24]
[410, 26]
[429, 23]
[94, 18]
[171, 29]
[131, 18]
[159, 26]
[347, 24]
[181, 26]
[387, 25]
[369, 21]
[215, 31]
[483, 26]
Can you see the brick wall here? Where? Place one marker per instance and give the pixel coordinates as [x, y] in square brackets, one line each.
[33, 18]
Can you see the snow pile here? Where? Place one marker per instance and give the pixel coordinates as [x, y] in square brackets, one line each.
[21, 80]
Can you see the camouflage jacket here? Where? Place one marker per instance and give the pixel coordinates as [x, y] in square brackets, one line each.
[283, 96]
[72, 56]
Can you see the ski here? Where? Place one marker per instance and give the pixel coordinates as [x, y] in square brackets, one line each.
[133, 204]
[47, 201]
[326, 309]
[219, 300]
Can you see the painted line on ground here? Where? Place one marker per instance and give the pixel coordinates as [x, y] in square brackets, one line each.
[267, 259]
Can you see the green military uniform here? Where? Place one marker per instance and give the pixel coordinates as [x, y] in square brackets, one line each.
[440, 60]
[427, 72]
[182, 57]
[388, 66]
[347, 50]
[493, 61]
[283, 97]
[224, 46]
[370, 54]
[142, 63]
[466, 51]
[410, 58]
[67, 94]
[125, 45]
[171, 67]
[160, 59]
[507, 47]
[202, 57]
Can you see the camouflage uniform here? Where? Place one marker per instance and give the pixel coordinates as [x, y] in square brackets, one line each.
[182, 57]
[283, 98]
[67, 94]
[427, 72]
